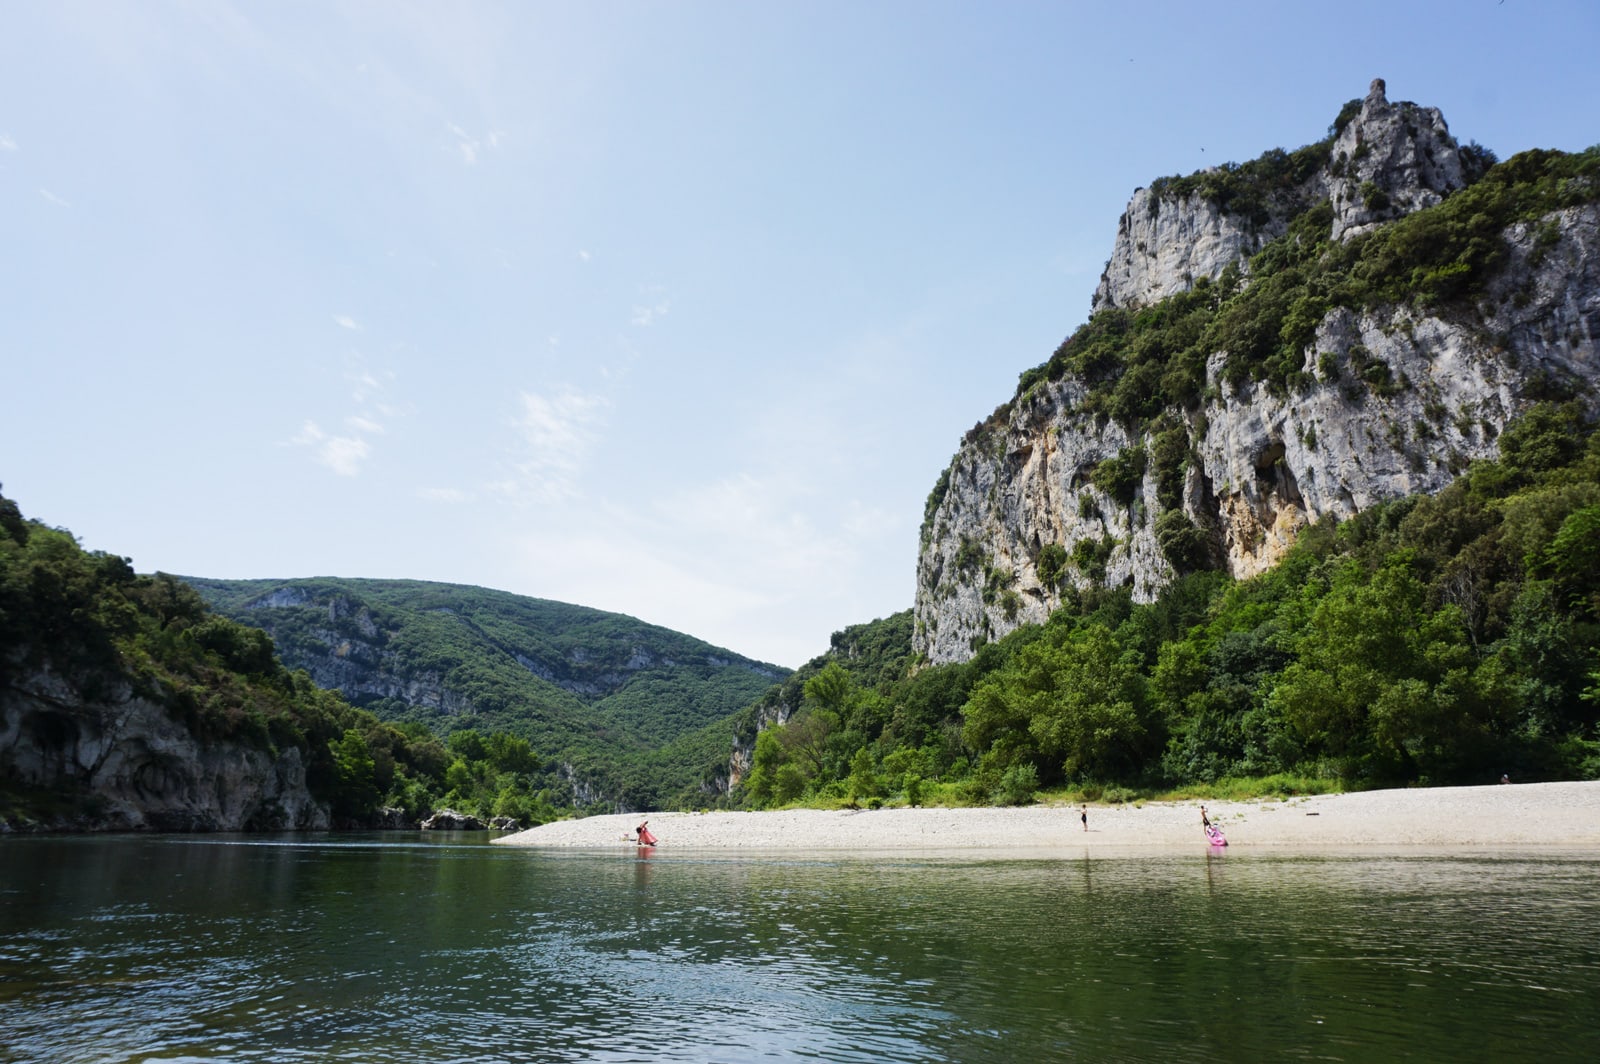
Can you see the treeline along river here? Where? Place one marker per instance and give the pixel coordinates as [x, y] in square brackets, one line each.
[383, 949]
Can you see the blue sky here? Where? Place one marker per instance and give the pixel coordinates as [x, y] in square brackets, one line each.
[672, 309]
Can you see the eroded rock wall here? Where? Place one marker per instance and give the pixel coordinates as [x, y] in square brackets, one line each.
[1394, 158]
[1165, 244]
[131, 766]
[1398, 402]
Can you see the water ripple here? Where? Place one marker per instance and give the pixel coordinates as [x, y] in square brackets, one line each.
[363, 952]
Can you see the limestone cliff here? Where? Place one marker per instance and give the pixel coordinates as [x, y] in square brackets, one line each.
[1395, 158]
[1380, 161]
[345, 650]
[122, 762]
[1383, 398]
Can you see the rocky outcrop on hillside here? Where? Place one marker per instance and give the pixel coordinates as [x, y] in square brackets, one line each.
[1387, 160]
[121, 762]
[1394, 158]
[769, 713]
[1388, 400]
[373, 644]
[346, 650]
[1164, 244]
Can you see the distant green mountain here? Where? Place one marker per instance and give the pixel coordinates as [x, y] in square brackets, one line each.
[628, 712]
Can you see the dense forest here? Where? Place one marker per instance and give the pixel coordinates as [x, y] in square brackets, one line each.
[621, 711]
[1431, 640]
[88, 617]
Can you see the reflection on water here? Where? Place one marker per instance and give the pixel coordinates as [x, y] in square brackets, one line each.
[127, 949]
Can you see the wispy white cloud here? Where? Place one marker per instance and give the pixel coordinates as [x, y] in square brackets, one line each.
[646, 314]
[584, 255]
[7, 144]
[347, 322]
[466, 144]
[368, 387]
[556, 433]
[762, 519]
[53, 199]
[470, 146]
[347, 451]
[342, 454]
[717, 560]
[656, 583]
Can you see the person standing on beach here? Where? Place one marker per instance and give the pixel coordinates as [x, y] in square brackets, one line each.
[1085, 818]
[1205, 821]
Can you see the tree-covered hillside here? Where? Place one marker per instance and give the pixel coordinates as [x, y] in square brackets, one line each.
[87, 632]
[1431, 640]
[622, 707]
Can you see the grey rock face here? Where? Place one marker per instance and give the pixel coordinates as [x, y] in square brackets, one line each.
[361, 668]
[1396, 401]
[393, 818]
[1389, 160]
[450, 820]
[1395, 158]
[1164, 245]
[142, 769]
[742, 760]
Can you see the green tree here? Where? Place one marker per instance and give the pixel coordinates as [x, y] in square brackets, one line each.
[768, 756]
[807, 739]
[509, 753]
[913, 789]
[469, 744]
[1051, 565]
[1573, 559]
[831, 689]
[789, 783]
[863, 781]
[1095, 719]
[1018, 785]
[357, 794]
[1183, 544]
[1387, 687]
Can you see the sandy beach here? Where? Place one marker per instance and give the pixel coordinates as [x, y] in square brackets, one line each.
[1516, 816]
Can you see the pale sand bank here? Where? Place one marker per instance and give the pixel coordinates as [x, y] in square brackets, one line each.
[1564, 815]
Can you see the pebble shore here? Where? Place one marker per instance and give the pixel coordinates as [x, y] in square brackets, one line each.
[1535, 815]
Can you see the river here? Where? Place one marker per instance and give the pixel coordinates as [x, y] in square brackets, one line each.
[408, 948]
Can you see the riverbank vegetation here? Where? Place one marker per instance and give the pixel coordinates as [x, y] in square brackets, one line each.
[1430, 640]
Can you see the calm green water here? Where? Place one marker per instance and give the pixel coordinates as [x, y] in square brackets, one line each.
[185, 949]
